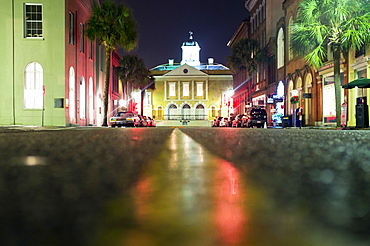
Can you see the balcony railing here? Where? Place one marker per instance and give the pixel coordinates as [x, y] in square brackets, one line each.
[185, 117]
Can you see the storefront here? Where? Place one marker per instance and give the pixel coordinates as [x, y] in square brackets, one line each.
[328, 97]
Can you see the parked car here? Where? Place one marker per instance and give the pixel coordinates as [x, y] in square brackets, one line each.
[125, 119]
[238, 121]
[224, 122]
[151, 122]
[256, 117]
[143, 121]
[216, 122]
[146, 121]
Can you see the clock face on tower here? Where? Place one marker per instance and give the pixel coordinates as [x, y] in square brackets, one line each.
[185, 70]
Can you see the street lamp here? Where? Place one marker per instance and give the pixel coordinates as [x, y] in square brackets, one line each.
[229, 94]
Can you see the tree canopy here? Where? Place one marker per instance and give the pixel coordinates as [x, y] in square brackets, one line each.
[326, 24]
[112, 25]
[132, 69]
[245, 56]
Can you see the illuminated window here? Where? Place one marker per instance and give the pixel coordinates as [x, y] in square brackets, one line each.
[280, 48]
[186, 112]
[185, 89]
[172, 92]
[199, 89]
[91, 101]
[33, 86]
[71, 106]
[82, 98]
[200, 112]
[290, 52]
[148, 98]
[213, 110]
[172, 112]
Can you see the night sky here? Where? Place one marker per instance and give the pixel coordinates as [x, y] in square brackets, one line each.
[164, 24]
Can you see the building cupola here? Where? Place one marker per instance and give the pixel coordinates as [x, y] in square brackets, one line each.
[190, 52]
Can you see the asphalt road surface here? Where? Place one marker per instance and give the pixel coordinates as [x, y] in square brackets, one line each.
[184, 186]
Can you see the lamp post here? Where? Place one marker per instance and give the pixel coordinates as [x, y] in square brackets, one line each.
[229, 94]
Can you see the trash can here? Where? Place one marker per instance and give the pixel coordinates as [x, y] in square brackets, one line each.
[286, 121]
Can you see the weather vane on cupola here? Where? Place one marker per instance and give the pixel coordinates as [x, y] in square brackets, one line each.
[191, 35]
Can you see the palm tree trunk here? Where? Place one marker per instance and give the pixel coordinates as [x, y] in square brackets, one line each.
[108, 52]
[337, 83]
[142, 101]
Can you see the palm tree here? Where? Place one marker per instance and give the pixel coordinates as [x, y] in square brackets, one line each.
[113, 25]
[245, 57]
[132, 70]
[330, 25]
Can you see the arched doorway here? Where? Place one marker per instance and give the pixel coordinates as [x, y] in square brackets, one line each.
[213, 111]
[72, 97]
[91, 102]
[289, 104]
[308, 100]
[172, 112]
[186, 112]
[82, 99]
[200, 112]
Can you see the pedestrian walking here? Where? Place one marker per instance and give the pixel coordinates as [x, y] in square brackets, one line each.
[299, 117]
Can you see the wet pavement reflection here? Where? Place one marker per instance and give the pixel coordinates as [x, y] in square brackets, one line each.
[188, 196]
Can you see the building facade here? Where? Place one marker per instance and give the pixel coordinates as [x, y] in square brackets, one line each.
[33, 63]
[301, 80]
[284, 76]
[266, 18]
[191, 90]
[241, 79]
[52, 74]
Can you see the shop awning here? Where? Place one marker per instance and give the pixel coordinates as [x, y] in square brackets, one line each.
[360, 83]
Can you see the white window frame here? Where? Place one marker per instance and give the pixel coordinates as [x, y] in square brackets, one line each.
[33, 86]
[32, 24]
[280, 48]
[172, 89]
[200, 90]
[185, 89]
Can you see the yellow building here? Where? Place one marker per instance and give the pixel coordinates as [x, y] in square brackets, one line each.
[190, 90]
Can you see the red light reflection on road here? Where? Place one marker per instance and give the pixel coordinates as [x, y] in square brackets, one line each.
[189, 193]
[229, 215]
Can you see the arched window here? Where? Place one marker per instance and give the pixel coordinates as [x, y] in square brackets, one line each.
[91, 101]
[172, 112]
[290, 89]
[213, 110]
[290, 52]
[33, 86]
[186, 112]
[160, 113]
[200, 112]
[72, 96]
[82, 98]
[280, 48]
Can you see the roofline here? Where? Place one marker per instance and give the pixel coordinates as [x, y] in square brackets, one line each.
[232, 40]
